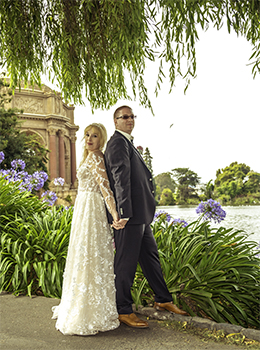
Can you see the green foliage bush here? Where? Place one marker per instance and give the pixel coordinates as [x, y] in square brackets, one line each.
[249, 199]
[210, 272]
[14, 203]
[235, 183]
[224, 199]
[34, 243]
[166, 197]
[192, 201]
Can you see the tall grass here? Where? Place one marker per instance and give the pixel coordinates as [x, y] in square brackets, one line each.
[210, 272]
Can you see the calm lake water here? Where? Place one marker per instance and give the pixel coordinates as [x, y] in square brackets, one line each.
[245, 218]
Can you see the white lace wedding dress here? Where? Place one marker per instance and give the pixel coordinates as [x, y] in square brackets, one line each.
[88, 293]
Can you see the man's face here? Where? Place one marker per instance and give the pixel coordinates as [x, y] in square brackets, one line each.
[122, 124]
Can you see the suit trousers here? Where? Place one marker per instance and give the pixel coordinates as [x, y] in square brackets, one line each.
[136, 243]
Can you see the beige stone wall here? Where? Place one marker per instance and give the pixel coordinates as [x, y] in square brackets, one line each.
[52, 120]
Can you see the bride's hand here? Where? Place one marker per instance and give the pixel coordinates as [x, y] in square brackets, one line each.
[120, 224]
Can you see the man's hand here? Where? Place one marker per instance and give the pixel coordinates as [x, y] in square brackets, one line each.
[120, 224]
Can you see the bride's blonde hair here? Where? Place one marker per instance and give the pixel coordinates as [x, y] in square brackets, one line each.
[102, 134]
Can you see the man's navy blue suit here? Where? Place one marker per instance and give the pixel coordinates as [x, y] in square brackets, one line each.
[131, 182]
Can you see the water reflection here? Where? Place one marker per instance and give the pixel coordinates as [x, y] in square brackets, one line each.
[246, 218]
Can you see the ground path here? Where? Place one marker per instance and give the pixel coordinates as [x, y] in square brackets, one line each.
[26, 324]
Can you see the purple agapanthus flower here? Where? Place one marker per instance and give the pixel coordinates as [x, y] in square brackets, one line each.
[38, 178]
[59, 181]
[18, 163]
[37, 181]
[43, 175]
[179, 222]
[7, 174]
[161, 213]
[27, 182]
[49, 197]
[2, 156]
[211, 210]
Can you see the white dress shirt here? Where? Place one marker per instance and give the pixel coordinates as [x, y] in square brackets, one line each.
[128, 136]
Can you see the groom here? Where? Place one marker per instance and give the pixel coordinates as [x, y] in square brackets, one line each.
[131, 182]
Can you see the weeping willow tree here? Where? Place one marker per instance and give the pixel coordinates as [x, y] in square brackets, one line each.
[90, 46]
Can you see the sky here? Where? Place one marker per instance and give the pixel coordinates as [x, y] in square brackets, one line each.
[215, 123]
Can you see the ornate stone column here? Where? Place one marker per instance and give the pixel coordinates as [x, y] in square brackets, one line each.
[53, 153]
[73, 158]
[61, 154]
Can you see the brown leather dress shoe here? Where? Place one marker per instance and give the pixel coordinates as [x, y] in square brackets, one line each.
[132, 320]
[170, 307]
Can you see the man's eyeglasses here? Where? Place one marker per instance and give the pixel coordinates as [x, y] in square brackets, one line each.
[125, 117]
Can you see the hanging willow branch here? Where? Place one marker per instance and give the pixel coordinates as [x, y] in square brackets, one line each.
[89, 45]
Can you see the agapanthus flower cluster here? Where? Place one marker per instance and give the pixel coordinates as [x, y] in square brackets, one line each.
[2, 156]
[175, 222]
[38, 178]
[18, 163]
[27, 182]
[179, 222]
[49, 197]
[59, 181]
[161, 213]
[211, 210]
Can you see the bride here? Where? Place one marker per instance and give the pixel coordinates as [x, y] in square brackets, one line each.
[88, 302]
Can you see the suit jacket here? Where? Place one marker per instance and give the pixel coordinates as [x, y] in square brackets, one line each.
[130, 180]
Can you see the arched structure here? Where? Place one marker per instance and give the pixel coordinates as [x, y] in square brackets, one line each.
[35, 133]
[52, 120]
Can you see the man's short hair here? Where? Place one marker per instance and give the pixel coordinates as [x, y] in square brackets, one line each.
[117, 111]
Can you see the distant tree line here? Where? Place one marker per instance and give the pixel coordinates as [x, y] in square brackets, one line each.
[178, 186]
[235, 184]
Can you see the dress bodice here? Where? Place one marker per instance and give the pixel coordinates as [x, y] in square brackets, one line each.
[92, 177]
[87, 181]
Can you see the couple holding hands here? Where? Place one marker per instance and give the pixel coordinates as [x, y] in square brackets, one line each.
[96, 292]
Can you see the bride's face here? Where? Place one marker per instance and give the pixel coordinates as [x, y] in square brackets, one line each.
[92, 140]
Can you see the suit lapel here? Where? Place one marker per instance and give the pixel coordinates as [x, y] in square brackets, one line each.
[139, 155]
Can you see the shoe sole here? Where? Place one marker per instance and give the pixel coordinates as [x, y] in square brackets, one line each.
[163, 309]
[129, 325]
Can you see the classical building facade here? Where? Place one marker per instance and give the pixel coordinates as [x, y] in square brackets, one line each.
[52, 120]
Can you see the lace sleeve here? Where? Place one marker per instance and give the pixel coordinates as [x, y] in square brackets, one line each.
[98, 169]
